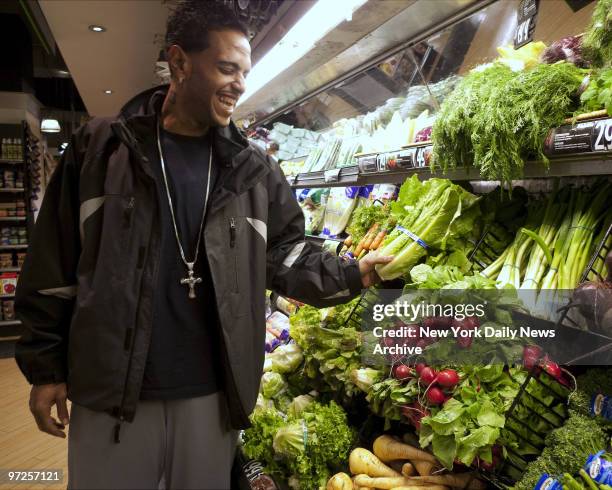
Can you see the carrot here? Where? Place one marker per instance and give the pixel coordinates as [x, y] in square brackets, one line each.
[378, 240]
[348, 241]
[340, 481]
[386, 482]
[371, 235]
[407, 469]
[424, 468]
[362, 461]
[365, 238]
[463, 480]
[388, 449]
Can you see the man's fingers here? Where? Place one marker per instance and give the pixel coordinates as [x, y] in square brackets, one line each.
[48, 424]
[62, 410]
[381, 260]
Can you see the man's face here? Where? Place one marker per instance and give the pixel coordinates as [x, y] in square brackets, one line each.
[217, 78]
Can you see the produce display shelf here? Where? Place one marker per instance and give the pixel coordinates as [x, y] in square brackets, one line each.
[576, 165]
[11, 161]
[12, 189]
[9, 323]
[9, 269]
[12, 218]
[13, 247]
[7, 296]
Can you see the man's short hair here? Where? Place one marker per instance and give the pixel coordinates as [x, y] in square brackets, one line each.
[190, 21]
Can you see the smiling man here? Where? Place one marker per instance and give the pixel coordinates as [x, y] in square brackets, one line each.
[143, 290]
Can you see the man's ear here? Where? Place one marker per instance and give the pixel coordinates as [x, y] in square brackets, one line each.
[179, 63]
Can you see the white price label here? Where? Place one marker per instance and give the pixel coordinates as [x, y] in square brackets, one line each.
[522, 31]
[602, 133]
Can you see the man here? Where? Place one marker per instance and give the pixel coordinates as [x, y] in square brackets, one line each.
[143, 290]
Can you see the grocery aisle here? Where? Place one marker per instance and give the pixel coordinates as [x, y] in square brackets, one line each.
[22, 445]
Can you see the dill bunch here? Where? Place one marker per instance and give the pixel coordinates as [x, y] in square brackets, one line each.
[496, 119]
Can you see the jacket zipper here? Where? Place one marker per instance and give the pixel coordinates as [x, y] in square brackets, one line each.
[232, 232]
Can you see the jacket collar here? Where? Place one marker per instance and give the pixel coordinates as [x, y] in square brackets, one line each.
[241, 165]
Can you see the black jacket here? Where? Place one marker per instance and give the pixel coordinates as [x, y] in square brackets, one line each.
[86, 289]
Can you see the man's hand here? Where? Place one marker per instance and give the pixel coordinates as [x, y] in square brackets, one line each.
[369, 277]
[42, 398]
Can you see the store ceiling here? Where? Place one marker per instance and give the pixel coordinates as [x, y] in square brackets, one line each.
[122, 59]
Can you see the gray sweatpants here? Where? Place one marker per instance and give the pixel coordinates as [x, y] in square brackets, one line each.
[177, 444]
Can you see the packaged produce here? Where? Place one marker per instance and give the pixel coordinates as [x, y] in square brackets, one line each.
[599, 468]
[313, 202]
[278, 325]
[340, 205]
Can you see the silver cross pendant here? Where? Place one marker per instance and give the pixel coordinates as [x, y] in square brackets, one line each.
[190, 280]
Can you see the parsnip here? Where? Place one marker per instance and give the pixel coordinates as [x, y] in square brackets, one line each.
[388, 449]
[381, 482]
[340, 481]
[362, 461]
[408, 469]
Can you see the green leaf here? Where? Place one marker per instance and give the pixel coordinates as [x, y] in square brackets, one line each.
[445, 449]
[488, 416]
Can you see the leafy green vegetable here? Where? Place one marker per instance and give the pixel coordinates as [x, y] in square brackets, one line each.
[496, 118]
[272, 385]
[284, 359]
[363, 218]
[299, 404]
[598, 94]
[431, 216]
[597, 40]
[303, 447]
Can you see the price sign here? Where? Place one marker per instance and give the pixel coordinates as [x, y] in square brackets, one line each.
[423, 156]
[602, 135]
[526, 21]
[367, 164]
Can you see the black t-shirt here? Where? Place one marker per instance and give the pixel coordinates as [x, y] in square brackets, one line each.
[182, 359]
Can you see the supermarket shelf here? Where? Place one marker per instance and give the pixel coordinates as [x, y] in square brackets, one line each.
[7, 296]
[10, 269]
[12, 189]
[11, 161]
[12, 218]
[9, 323]
[13, 247]
[566, 166]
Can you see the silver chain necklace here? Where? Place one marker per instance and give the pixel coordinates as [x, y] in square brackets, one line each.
[190, 280]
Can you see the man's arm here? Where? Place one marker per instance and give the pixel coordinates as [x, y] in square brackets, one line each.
[45, 293]
[298, 268]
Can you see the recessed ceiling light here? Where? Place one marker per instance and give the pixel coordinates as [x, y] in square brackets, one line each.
[96, 28]
[108, 92]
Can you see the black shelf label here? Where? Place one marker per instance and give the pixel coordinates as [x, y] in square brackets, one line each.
[583, 137]
[422, 156]
[526, 22]
[367, 164]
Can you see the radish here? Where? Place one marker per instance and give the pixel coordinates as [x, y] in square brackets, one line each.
[468, 323]
[428, 375]
[448, 378]
[552, 368]
[437, 322]
[419, 367]
[402, 372]
[530, 361]
[464, 342]
[435, 396]
[532, 351]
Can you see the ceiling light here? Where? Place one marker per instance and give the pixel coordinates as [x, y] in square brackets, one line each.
[323, 16]
[96, 28]
[50, 126]
[108, 92]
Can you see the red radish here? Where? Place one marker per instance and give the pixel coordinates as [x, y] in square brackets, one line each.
[428, 375]
[435, 396]
[552, 368]
[529, 362]
[419, 367]
[468, 323]
[464, 342]
[422, 343]
[437, 322]
[402, 372]
[448, 378]
[388, 341]
[532, 351]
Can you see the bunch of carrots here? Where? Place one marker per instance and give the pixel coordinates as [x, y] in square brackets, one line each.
[394, 466]
[372, 240]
